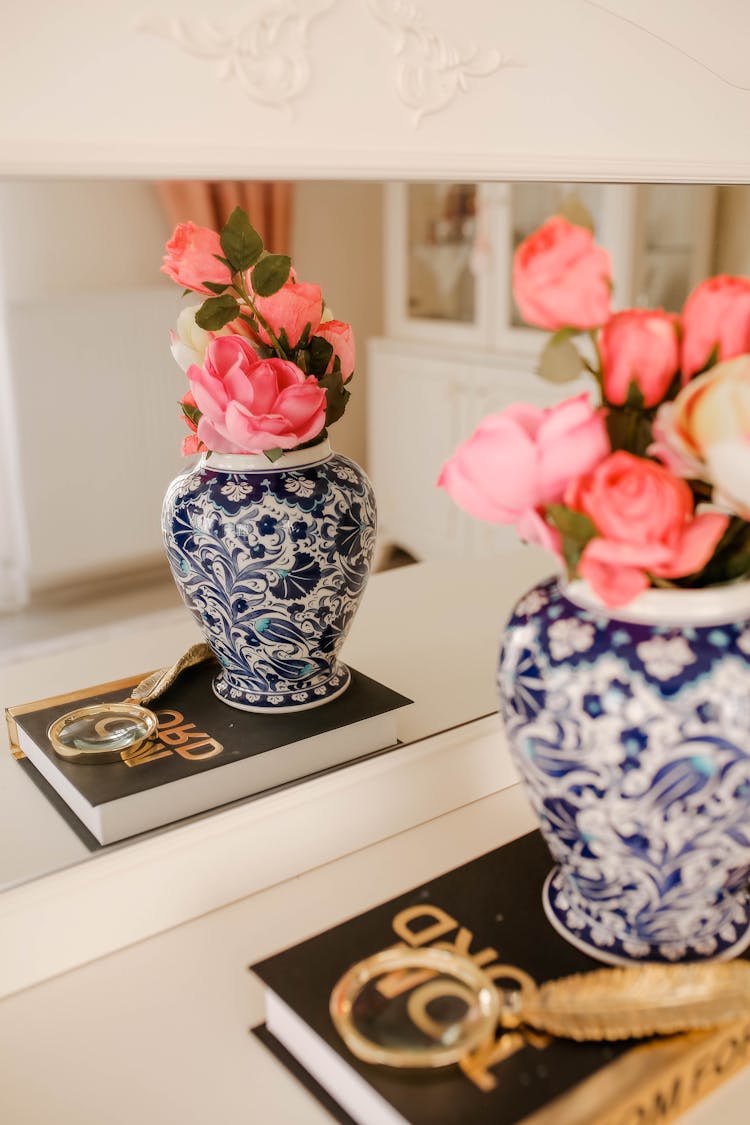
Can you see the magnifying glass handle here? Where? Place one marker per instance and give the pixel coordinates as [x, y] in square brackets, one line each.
[102, 733]
[157, 682]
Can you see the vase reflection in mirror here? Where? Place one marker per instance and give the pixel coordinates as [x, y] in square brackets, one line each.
[270, 538]
[272, 560]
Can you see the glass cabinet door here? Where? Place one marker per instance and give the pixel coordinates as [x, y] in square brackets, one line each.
[450, 247]
[437, 290]
[441, 227]
[674, 243]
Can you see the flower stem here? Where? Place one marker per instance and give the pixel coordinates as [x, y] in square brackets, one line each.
[241, 289]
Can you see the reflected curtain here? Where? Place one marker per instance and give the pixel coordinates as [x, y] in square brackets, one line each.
[210, 203]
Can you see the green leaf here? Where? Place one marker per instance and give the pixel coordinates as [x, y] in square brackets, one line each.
[274, 454]
[569, 522]
[560, 361]
[563, 334]
[634, 399]
[216, 312]
[252, 322]
[240, 242]
[216, 286]
[576, 530]
[631, 430]
[270, 274]
[337, 396]
[576, 212]
[320, 355]
[192, 413]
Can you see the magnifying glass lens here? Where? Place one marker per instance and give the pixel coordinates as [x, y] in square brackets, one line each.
[101, 731]
[414, 1008]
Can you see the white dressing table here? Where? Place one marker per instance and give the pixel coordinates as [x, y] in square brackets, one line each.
[157, 1031]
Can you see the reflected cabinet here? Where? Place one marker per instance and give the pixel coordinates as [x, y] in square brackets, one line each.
[455, 346]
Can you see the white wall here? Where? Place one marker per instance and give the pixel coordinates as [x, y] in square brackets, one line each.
[337, 243]
[94, 385]
[733, 230]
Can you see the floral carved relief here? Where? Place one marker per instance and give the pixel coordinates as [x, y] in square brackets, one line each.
[266, 54]
[430, 70]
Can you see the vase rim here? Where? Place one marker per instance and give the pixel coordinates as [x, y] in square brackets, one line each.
[259, 463]
[709, 605]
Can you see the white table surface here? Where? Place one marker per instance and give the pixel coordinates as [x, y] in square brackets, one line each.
[158, 1032]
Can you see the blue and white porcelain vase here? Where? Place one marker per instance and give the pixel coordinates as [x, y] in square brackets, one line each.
[272, 560]
[631, 730]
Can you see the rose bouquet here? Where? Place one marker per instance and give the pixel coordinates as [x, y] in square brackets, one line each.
[265, 360]
[647, 481]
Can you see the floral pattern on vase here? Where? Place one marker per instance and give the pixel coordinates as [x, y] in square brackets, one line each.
[633, 741]
[272, 560]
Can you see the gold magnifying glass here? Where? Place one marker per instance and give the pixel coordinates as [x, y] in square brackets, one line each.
[107, 732]
[432, 1007]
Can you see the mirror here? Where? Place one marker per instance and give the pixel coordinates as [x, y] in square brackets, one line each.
[85, 308]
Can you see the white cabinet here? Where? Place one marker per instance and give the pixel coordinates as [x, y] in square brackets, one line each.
[456, 348]
[423, 401]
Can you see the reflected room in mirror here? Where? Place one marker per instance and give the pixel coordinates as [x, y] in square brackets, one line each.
[91, 427]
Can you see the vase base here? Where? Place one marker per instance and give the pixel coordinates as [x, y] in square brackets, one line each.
[283, 702]
[590, 937]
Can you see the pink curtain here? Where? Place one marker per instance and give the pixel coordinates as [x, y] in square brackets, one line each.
[210, 203]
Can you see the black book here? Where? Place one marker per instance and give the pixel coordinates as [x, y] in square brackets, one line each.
[205, 753]
[490, 906]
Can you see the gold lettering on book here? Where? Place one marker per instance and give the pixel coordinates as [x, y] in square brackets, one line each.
[175, 735]
[431, 925]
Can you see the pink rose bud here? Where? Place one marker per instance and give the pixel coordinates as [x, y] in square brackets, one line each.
[644, 516]
[189, 400]
[341, 338]
[250, 404]
[523, 458]
[190, 260]
[640, 346]
[295, 306]
[561, 278]
[716, 315]
[192, 444]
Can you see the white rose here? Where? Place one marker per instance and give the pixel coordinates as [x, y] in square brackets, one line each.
[189, 342]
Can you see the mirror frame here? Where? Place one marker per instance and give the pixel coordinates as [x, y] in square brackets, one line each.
[447, 95]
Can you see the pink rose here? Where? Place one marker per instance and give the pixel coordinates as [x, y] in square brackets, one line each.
[716, 314]
[561, 278]
[641, 346]
[644, 516]
[190, 260]
[295, 306]
[250, 404]
[523, 458]
[341, 338]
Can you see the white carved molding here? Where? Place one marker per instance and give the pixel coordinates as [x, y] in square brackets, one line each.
[430, 71]
[266, 53]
